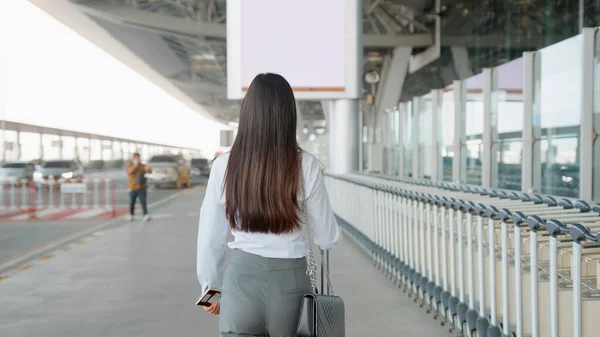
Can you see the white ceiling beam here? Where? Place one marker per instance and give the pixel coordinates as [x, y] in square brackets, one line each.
[203, 86]
[178, 26]
[144, 19]
[69, 14]
[391, 41]
[392, 80]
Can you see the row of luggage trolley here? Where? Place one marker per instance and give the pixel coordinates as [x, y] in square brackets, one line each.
[485, 262]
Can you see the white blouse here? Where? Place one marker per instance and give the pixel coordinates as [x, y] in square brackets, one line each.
[213, 226]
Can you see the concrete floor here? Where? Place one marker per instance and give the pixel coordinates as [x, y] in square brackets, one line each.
[20, 237]
[138, 279]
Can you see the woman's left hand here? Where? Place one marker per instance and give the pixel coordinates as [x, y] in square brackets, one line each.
[214, 309]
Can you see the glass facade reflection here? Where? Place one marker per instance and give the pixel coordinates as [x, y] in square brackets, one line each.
[407, 115]
[446, 135]
[396, 141]
[508, 102]
[474, 129]
[596, 107]
[425, 137]
[557, 104]
[544, 87]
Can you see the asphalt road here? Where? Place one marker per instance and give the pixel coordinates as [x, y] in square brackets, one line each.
[25, 237]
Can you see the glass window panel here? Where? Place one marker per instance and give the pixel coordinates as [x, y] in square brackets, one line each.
[425, 136]
[408, 139]
[389, 142]
[509, 148]
[446, 130]
[558, 100]
[395, 139]
[596, 159]
[591, 13]
[474, 128]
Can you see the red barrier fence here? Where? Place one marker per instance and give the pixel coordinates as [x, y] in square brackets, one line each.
[24, 199]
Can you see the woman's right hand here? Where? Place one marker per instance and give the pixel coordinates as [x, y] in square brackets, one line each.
[214, 309]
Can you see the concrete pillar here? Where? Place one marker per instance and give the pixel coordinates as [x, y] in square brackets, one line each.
[76, 149]
[343, 136]
[89, 150]
[18, 148]
[4, 151]
[112, 151]
[102, 150]
[462, 65]
[41, 146]
[60, 147]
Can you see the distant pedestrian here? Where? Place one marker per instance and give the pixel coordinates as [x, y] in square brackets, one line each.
[138, 187]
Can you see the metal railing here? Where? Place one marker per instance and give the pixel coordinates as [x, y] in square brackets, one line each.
[25, 199]
[486, 262]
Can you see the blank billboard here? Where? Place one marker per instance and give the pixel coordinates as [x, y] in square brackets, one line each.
[312, 43]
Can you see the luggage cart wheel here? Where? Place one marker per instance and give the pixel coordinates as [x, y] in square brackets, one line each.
[482, 327]
[494, 331]
[472, 317]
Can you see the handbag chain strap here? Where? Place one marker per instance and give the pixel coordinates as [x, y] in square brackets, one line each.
[311, 266]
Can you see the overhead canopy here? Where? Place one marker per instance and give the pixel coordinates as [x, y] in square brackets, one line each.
[57, 79]
[68, 14]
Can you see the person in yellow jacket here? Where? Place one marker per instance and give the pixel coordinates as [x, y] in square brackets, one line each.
[138, 188]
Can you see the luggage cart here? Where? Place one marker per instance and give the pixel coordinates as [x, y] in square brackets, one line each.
[488, 262]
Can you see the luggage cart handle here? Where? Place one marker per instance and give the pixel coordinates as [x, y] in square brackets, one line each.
[555, 227]
[580, 233]
[519, 218]
[535, 222]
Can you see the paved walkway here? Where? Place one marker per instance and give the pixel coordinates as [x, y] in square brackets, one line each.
[138, 279]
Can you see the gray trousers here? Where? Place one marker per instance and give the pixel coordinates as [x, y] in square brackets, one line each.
[262, 296]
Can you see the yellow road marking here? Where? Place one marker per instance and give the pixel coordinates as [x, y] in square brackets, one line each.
[25, 267]
[2, 277]
[80, 242]
[65, 249]
[31, 251]
[47, 257]
[89, 229]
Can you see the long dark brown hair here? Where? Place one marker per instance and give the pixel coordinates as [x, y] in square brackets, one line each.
[262, 177]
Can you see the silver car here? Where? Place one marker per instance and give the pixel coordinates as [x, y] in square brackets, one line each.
[11, 172]
[200, 166]
[167, 170]
[58, 169]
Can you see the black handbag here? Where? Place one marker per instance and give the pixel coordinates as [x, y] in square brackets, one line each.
[320, 315]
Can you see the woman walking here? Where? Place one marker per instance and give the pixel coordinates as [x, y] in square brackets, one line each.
[255, 191]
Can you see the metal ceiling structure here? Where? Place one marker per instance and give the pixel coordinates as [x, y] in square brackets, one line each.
[184, 40]
[498, 31]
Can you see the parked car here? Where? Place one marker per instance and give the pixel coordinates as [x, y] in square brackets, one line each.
[11, 172]
[201, 166]
[168, 170]
[58, 169]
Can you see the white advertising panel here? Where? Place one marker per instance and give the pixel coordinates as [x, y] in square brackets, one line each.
[70, 188]
[314, 44]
